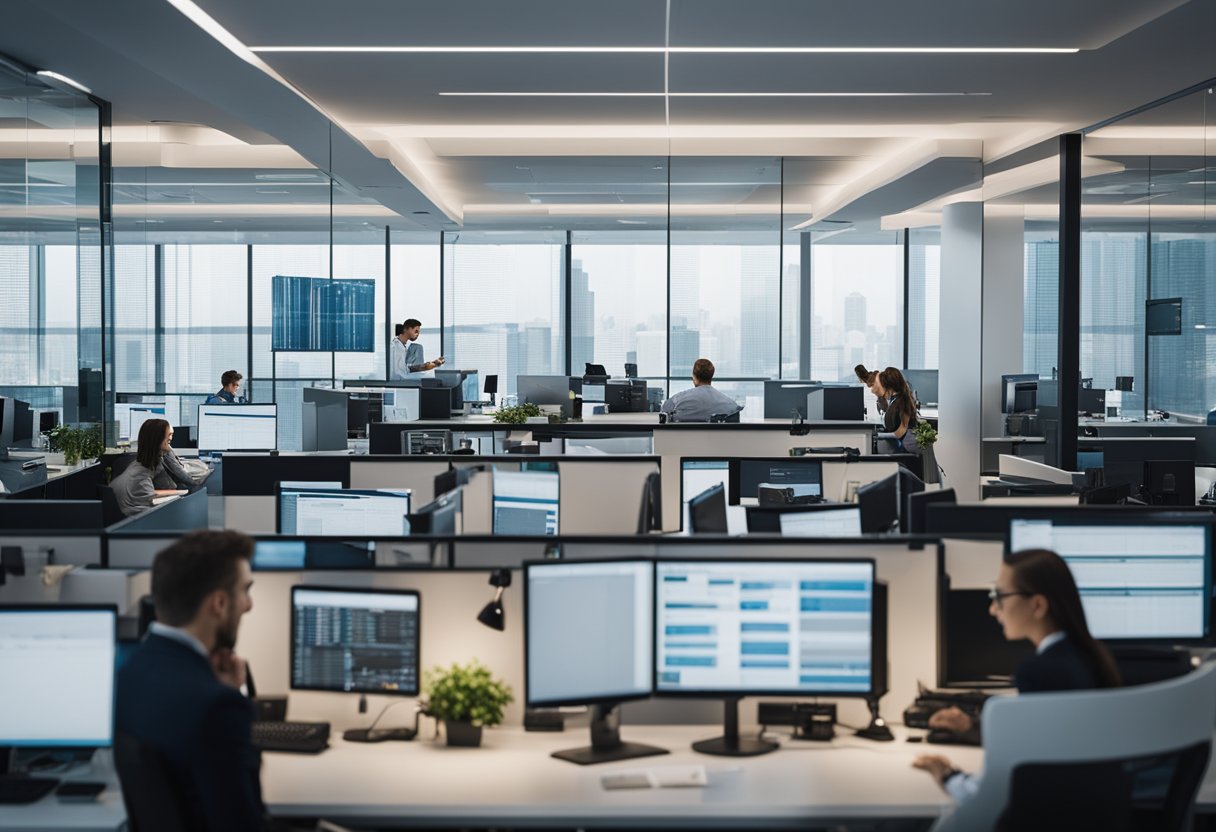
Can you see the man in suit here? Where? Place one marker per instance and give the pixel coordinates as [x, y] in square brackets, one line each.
[180, 692]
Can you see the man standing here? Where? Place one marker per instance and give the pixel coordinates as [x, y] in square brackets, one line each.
[407, 358]
[179, 693]
[230, 386]
[702, 401]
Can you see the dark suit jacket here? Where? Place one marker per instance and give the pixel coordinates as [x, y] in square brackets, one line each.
[1060, 667]
[170, 699]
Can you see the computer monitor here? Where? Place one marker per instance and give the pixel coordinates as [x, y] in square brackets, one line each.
[237, 427]
[828, 522]
[1139, 579]
[440, 516]
[526, 502]
[23, 423]
[137, 414]
[48, 420]
[788, 479]
[551, 390]
[734, 628]
[784, 399]
[343, 512]
[973, 648]
[355, 640]
[627, 396]
[1163, 316]
[707, 511]
[457, 381]
[696, 475]
[1091, 400]
[588, 636]
[8, 418]
[650, 515]
[1169, 482]
[924, 385]
[57, 663]
[915, 507]
[879, 504]
[269, 555]
[1010, 401]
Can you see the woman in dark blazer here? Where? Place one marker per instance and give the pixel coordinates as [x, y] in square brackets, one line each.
[1034, 598]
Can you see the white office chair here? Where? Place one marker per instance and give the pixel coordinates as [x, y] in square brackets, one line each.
[1172, 718]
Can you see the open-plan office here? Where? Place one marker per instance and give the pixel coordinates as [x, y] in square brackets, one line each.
[649, 414]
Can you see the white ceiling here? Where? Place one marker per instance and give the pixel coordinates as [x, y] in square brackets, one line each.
[587, 162]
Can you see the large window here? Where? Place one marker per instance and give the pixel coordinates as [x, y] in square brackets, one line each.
[857, 307]
[503, 305]
[206, 315]
[17, 330]
[135, 318]
[618, 291]
[924, 296]
[415, 273]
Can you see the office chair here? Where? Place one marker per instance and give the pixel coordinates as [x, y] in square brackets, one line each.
[725, 417]
[152, 799]
[110, 512]
[1066, 761]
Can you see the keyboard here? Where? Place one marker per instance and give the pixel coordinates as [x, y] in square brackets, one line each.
[940, 736]
[16, 789]
[298, 737]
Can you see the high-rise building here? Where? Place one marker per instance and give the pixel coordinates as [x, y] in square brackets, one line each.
[582, 319]
[854, 312]
[759, 299]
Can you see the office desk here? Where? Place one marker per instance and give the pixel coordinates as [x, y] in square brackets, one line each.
[512, 781]
[106, 814]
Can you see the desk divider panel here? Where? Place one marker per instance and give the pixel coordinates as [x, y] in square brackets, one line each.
[254, 475]
[58, 515]
[182, 515]
[837, 475]
[600, 496]
[418, 475]
[450, 632]
[85, 549]
[251, 515]
[972, 564]
[137, 551]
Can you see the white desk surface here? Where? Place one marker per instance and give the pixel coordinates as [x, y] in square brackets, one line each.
[105, 814]
[512, 780]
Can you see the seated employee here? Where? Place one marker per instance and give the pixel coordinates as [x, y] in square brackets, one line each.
[154, 460]
[230, 385]
[179, 693]
[899, 419]
[870, 379]
[1035, 598]
[702, 400]
[408, 360]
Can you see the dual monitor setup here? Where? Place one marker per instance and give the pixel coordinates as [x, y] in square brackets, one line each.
[1143, 581]
[629, 395]
[786, 495]
[600, 633]
[836, 401]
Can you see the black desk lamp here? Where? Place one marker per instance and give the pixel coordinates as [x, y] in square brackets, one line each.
[492, 614]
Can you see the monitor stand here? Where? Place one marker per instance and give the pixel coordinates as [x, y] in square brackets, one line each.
[606, 745]
[731, 744]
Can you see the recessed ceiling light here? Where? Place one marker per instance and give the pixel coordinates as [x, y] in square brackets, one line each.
[687, 50]
[63, 79]
[548, 94]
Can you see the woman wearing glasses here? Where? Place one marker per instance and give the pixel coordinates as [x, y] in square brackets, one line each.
[1034, 598]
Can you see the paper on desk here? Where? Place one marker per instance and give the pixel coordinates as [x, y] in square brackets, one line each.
[159, 501]
[657, 777]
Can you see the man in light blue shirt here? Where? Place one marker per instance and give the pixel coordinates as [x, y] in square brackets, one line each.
[702, 401]
[407, 358]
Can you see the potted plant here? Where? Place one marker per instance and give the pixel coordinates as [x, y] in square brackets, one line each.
[467, 698]
[517, 414]
[926, 436]
[77, 443]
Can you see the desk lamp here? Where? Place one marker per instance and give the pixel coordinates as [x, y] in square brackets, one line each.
[492, 614]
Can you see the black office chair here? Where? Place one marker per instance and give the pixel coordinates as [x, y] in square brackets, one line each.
[110, 512]
[152, 799]
[725, 417]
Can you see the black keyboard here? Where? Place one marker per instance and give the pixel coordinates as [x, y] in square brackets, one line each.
[940, 736]
[16, 789]
[299, 737]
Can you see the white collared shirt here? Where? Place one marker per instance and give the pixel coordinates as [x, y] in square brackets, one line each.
[1049, 641]
[179, 635]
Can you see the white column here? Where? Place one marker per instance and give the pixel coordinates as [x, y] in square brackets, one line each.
[959, 433]
[1004, 307]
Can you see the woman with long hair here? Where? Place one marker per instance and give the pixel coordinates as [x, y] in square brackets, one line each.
[870, 379]
[154, 460]
[1034, 598]
[899, 421]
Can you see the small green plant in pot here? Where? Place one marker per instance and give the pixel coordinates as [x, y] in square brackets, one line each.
[517, 414]
[78, 443]
[926, 436]
[467, 698]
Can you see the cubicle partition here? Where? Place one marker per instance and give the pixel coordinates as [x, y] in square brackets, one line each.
[452, 598]
[133, 543]
[989, 520]
[81, 515]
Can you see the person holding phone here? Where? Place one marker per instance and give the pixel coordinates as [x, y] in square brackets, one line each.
[408, 360]
[179, 695]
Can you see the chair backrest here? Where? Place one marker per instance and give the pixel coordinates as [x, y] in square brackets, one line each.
[1055, 730]
[149, 794]
[110, 511]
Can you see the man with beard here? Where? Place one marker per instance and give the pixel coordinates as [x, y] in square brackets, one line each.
[179, 694]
